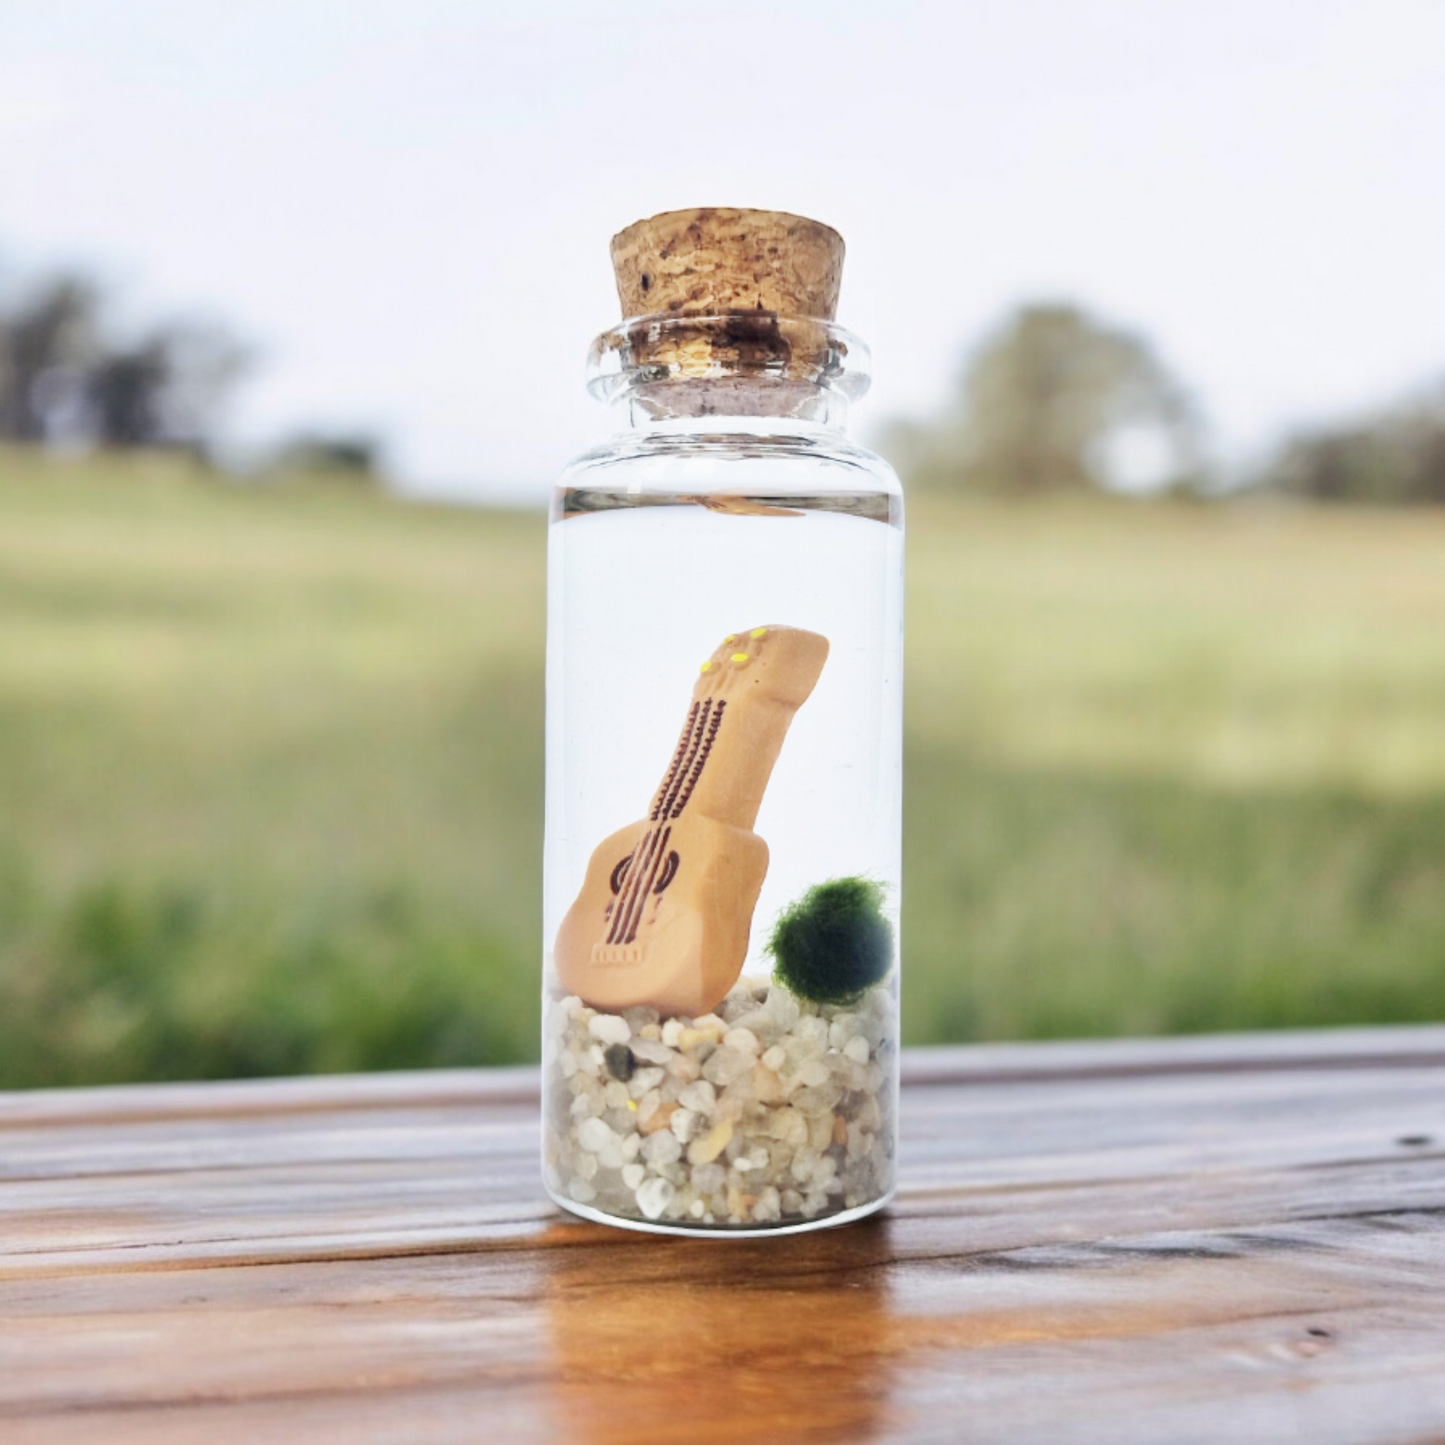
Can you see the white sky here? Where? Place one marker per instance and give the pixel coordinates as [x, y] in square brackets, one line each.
[407, 203]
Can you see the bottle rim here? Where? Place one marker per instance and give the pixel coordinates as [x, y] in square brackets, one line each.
[734, 346]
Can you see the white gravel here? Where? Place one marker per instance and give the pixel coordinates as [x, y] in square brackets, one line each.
[770, 1111]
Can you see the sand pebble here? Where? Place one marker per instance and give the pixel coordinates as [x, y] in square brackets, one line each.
[769, 1111]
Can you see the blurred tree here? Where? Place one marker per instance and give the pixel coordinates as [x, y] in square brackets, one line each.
[126, 395]
[1055, 401]
[47, 343]
[64, 381]
[1398, 457]
[168, 389]
[342, 456]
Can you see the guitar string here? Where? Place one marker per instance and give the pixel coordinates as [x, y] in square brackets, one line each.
[645, 893]
[647, 847]
[622, 903]
[694, 745]
[676, 758]
[712, 723]
[663, 789]
[641, 881]
[640, 859]
[622, 920]
[713, 727]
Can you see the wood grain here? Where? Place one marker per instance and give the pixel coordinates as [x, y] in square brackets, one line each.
[1226, 1239]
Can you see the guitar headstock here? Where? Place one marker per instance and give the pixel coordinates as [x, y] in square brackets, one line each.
[780, 664]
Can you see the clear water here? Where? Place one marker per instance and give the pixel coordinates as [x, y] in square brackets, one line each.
[642, 589]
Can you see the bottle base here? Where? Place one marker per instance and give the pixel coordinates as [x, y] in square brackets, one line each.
[722, 1231]
[775, 1111]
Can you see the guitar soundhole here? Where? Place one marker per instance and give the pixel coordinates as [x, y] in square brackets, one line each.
[619, 873]
[669, 871]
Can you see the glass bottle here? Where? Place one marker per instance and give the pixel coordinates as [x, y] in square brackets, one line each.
[724, 741]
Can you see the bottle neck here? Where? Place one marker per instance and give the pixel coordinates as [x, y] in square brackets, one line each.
[730, 370]
[729, 403]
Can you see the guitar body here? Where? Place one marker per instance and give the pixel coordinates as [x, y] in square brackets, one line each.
[678, 940]
[666, 907]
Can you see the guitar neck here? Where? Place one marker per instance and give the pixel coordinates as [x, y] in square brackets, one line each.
[742, 706]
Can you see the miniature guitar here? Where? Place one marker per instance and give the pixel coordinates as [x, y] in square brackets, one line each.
[667, 905]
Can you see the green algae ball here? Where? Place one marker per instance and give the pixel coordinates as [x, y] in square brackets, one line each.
[834, 942]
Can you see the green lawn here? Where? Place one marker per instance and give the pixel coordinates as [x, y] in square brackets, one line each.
[270, 774]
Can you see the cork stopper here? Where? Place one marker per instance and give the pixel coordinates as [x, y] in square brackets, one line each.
[715, 260]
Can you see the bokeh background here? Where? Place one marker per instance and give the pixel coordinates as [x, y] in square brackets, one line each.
[293, 301]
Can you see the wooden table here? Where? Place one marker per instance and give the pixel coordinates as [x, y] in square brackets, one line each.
[1227, 1239]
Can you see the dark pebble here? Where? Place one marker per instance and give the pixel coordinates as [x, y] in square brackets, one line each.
[620, 1062]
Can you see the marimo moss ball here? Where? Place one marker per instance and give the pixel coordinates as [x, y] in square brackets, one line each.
[834, 942]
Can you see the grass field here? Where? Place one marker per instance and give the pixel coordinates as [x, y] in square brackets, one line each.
[270, 774]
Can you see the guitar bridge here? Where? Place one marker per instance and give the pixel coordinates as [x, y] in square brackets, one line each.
[615, 954]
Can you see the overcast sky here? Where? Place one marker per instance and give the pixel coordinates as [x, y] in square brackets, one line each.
[406, 204]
